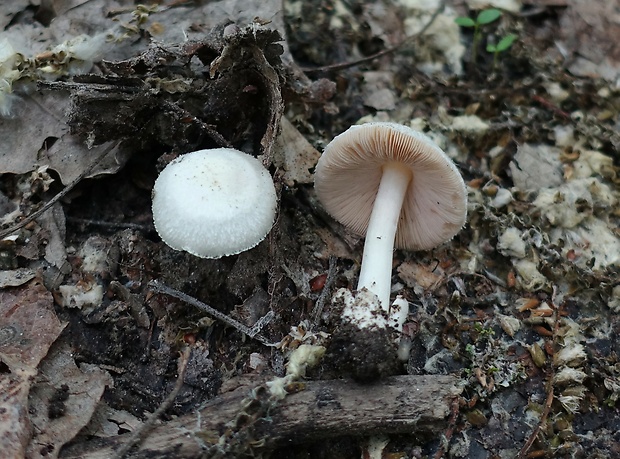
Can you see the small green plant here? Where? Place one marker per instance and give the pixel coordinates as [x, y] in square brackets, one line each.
[483, 332]
[484, 17]
[501, 46]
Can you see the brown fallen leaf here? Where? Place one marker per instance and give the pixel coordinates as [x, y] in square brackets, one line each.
[591, 31]
[294, 154]
[414, 274]
[64, 402]
[28, 327]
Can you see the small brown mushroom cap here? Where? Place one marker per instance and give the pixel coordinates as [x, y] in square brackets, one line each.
[349, 172]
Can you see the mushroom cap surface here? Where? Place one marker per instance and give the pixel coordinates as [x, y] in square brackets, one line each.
[348, 175]
[214, 203]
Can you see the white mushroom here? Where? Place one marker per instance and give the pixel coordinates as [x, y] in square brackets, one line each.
[396, 187]
[214, 203]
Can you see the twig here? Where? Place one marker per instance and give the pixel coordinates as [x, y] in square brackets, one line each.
[260, 323]
[141, 432]
[96, 87]
[530, 441]
[251, 332]
[551, 106]
[550, 393]
[209, 129]
[113, 225]
[59, 196]
[345, 65]
[325, 293]
[322, 409]
[454, 412]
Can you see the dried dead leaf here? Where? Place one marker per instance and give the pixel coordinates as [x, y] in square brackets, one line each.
[294, 154]
[592, 31]
[62, 6]
[536, 166]
[10, 9]
[54, 223]
[64, 403]
[16, 277]
[39, 136]
[334, 245]
[108, 422]
[39, 119]
[28, 327]
[416, 274]
[377, 90]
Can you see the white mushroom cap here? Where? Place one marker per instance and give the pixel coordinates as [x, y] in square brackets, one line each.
[349, 172]
[214, 203]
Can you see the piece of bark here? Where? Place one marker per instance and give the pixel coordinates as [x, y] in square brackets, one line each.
[323, 409]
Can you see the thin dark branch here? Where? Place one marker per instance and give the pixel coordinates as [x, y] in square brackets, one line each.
[141, 432]
[523, 453]
[59, 196]
[113, 225]
[157, 287]
[209, 129]
[325, 293]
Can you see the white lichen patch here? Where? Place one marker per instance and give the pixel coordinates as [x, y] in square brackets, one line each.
[613, 385]
[95, 255]
[574, 200]
[572, 354]
[378, 92]
[530, 277]
[571, 398]
[564, 136]
[593, 244]
[84, 294]
[305, 356]
[536, 166]
[569, 204]
[568, 375]
[591, 163]
[511, 244]
[502, 198]
[555, 90]
[78, 55]
[579, 212]
[9, 61]
[302, 358]
[469, 124]
[510, 325]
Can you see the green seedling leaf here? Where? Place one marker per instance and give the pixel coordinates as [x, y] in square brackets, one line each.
[491, 48]
[465, 22]
[488, 16]
[505, 42]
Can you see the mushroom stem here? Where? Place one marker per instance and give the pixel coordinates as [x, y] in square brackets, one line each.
[376, 271]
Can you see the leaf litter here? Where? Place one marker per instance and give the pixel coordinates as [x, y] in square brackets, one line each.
[520, 305]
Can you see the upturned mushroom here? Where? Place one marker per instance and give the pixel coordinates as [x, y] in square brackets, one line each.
[398, 188]
[214, 203]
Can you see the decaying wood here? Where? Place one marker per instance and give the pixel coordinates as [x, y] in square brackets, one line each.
[323, 409]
